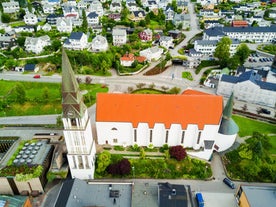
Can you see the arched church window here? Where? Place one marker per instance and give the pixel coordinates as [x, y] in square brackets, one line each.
[114, 128]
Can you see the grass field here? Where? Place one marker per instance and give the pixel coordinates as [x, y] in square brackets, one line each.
[248, 126]
[187, 75]
[35, 103]
[273, 142]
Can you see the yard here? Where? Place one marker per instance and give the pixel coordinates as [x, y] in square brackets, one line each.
[39, 98]
[248, 126]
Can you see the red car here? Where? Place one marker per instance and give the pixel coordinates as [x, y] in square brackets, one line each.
[36, 76]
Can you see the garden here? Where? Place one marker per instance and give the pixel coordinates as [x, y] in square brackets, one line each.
[254, 160]
[171, 163]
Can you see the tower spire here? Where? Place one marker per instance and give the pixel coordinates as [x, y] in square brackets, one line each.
[72, 100]
[228, 109]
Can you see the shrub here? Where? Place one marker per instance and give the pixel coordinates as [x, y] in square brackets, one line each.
[120, 168]
[178, 152]
[164, 148]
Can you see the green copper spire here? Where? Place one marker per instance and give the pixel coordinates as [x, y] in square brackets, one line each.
[228, 109]
[72, 103]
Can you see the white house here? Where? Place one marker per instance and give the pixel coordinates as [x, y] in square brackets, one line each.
[253, 34]
[208, 47]
[166, 41]
[48, 8]
[71, 12]
[127, 60]
[96, 6]
[99, 44]
[76, 41]
[115, 7]
[93, 19]
[10, 7]
[64, 24]
[119, 36]
[36, 44]
[248, 87]
[193, 119]
[30, 19]
[152, 53]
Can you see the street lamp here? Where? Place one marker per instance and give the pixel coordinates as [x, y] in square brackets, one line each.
[133, 171]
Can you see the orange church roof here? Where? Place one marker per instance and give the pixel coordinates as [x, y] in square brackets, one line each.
[198, 108]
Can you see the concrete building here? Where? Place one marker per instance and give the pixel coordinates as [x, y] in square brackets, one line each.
[77, 126]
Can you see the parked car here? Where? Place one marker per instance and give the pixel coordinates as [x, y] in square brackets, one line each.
[265, 111]
[228, 182]
[36, 76]
[199, 199]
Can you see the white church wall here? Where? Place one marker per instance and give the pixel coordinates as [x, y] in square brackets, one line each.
[175, 133]
[158, 135]
[115, 133]
[206, 154]
[225, 141]
[190, 135]
[143, 134]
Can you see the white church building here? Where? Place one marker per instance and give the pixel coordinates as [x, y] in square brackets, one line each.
[77, 132]
[193, 119]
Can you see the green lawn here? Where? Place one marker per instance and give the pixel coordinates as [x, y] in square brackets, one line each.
[35, 103]
[187, 75]
[147, 91]
[248, 126]
[272, 140]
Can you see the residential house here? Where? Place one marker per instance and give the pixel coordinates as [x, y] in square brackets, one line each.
[169, 13]
[152, 53]
[115, 7]
[223, 13]
[96, 6]
[239, 23]
[204, 2]
[30, 68]
[16, 200]
[116, 17]
[137, 16]
[127, 60]
[64, 24]
[193, 119]
[93, 19]
[248, 87]
[99, 44]
[252, 34]
[70, 12]
[10, 7]
[182, 19]
[208, 47]
[175, 34]
[132, 6]
[7, 42]
[76, 41]
[272, 13]
[52, 19]
[30, 19]
[82, 5]
[166, 41]
[162, 4]
[253, 195]
[36, 44]
[119, 36]
[25, 28]
[182, 5]
[212, 23]
[152, 5]
[207, 13]
[146, 35]
[48, 8]
[54, 2]
[46, 27]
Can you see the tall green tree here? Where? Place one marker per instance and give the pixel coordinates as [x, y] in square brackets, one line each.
[222, 51]
[104, 159]
[20, 93]
[242, 52]
[84, 24]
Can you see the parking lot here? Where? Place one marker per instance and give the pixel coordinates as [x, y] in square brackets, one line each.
[259, 58]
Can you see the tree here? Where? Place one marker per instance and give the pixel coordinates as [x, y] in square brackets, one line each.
[242, 52]
[222, 51]
[103, 161]
[174, 90]
[84, 24]
[233, 62]
[6, 18]
[21, 41]
[20, 93]
[122, 167]
[177, 152]
[45, 94]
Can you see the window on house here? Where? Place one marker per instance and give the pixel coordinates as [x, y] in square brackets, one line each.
[151, 136]
[74, 163]
[167, 136]
[198, 137]
[114, 128]
[115, 140]
[182, 138]
[80, 162]
[73, 122]
[135, 135]
[86, 163]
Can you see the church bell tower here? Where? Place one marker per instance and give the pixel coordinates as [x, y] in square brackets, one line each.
[77, 126]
